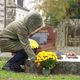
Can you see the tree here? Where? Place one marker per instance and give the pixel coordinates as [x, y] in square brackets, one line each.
[57, 10]
[73, 10]
[53, 10]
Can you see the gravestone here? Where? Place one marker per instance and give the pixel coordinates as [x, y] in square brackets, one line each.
[46, 38]
[68, 36]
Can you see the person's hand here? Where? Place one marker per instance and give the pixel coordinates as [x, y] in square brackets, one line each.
[32, 58]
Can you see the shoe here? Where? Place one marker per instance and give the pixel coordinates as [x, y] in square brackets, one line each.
[14, 70]
[6, 67]
[9, 67]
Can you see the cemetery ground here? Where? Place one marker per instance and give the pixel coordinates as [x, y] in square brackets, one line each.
[5, 75]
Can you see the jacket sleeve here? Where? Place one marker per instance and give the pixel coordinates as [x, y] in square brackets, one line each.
[22, 35]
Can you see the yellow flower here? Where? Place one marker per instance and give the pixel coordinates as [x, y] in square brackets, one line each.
[33, 43]
[46, 57]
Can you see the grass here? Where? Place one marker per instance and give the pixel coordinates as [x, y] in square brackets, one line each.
[4, 75]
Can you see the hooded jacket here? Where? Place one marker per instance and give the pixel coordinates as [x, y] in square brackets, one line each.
[15, 36]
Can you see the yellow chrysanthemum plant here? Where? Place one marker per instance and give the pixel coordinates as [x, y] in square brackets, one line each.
[33, 43]
[47, 60]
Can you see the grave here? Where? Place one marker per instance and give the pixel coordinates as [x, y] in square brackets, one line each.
[68, 66]
[68, 39]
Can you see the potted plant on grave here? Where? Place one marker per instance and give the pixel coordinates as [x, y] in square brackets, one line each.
[46, 60]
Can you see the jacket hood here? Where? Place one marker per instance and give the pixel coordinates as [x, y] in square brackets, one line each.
[33, 21]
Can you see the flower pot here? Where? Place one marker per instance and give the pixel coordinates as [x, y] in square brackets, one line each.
[46, 71]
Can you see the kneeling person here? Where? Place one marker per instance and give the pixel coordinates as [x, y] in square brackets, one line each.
[14, 39]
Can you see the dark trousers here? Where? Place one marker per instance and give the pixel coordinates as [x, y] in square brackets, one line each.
[18, 59]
